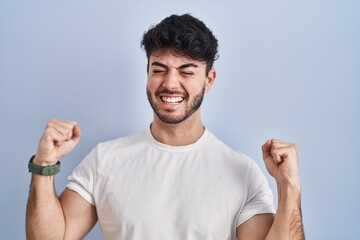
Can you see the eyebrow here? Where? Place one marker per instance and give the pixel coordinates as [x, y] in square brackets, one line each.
[187, 65]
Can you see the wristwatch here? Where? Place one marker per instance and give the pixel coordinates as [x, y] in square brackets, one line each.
[43, 170]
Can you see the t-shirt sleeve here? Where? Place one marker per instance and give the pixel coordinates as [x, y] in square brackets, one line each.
[82, 178]
[260, 197]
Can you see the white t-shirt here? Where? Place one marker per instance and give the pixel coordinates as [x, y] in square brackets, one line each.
[143, 189]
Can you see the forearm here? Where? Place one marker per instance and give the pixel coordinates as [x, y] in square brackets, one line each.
[44, 215]
[287, 224]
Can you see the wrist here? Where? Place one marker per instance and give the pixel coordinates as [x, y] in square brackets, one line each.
[289, 195]
[43, 170]
[38, 161]
[289, 187]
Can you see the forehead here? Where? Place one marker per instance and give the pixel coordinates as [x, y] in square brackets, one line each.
[173, 60]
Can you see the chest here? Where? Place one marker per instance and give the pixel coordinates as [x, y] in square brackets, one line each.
[169, 198]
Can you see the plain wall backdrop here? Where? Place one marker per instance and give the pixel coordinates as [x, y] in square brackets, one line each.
[287, 69]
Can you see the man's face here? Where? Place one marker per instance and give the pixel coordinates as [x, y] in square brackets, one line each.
[176, 86]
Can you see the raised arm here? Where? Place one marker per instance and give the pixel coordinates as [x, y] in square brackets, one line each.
[47, 217]
[281, 161]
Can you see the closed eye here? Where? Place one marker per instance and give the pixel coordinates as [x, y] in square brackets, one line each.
[158, 71]
[187, 73]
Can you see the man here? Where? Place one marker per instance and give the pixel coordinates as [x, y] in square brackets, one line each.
[175, 180]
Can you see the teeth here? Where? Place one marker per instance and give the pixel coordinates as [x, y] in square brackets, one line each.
[172, 100]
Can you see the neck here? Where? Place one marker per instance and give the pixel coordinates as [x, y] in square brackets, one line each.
[181, 134]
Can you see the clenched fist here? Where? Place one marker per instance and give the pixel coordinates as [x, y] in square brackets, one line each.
[59, 138]
[281, 161]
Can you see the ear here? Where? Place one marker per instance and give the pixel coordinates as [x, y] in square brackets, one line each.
[147, 67]
[210, 79]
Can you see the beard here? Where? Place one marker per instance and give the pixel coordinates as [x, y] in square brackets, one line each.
[195, 104]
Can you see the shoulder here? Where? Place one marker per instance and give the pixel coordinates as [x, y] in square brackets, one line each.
[236, 163]
[215, 145]
[122, 142]
[105, 154]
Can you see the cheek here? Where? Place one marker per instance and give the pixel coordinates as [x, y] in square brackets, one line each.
[152, 84]
[193, 88]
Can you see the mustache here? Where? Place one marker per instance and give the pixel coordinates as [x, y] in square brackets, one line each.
[166, 91]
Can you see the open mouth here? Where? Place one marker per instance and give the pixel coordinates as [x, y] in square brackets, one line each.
[172, 100]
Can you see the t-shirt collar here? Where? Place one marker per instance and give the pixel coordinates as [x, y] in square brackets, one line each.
[170, 148]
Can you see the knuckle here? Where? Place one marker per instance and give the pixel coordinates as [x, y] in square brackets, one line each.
[67, 131]
[294, 146]
[273, 151]
[51, 123]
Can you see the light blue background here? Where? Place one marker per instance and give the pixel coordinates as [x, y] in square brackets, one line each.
[287, 69]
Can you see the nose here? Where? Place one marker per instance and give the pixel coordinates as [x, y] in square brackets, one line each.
[171, 79]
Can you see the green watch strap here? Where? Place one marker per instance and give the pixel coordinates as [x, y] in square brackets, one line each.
[43, 170]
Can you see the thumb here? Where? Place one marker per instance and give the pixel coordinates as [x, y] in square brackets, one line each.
[76, 133]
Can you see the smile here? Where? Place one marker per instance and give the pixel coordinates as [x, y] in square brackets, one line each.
[172, 100]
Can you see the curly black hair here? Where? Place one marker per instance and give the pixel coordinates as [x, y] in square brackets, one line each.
[185, 35]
